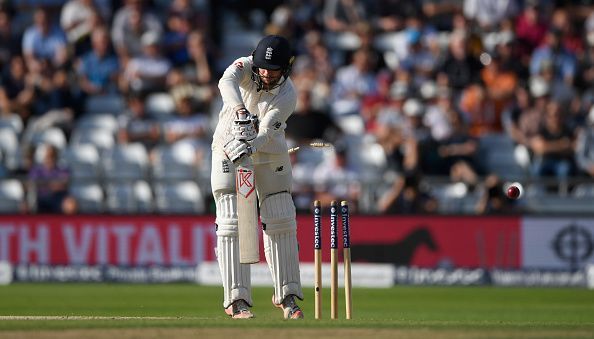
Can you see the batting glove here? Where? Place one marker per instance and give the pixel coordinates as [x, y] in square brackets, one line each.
[236, 150]
[245, 126]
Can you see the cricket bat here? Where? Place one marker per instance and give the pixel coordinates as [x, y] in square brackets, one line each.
[247, 213]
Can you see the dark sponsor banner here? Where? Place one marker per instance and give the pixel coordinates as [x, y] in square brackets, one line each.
[208, 274]
[107, 240]
[539, 278]
[441, 276]
[427, 242]
[83, 273]
[496, 277]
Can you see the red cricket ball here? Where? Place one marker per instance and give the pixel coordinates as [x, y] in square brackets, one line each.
[514, 191]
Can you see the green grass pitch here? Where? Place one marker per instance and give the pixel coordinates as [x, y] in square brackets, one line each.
[439, 312]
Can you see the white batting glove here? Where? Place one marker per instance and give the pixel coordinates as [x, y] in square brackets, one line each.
[236, 150]
[245, 126]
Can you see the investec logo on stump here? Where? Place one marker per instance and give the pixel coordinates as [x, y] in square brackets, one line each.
[125, 242]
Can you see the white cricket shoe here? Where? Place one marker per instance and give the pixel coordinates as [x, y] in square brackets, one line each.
[239, 309]
[289, 307]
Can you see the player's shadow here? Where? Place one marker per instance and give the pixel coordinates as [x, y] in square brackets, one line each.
[399, 253]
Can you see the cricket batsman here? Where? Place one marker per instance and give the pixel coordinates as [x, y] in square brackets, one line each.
[258, 97]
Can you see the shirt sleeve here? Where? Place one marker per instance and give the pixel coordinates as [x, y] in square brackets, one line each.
[275, 120]
[583, 149]
[233, 76]
[28, 41]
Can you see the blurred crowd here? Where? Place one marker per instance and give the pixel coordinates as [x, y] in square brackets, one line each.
[114, 102]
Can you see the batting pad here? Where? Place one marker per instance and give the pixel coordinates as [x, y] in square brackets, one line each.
[280, 245]
[227, 211]
[235, 276]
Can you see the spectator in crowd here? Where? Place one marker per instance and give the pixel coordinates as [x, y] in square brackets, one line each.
[373, 103]
[553, 145]
[553, 54]
[366, 37]
[148, 71]
[78, 19]
[54, 106]
[17, 91]
[500, 85]
[585, 72]
[314, 70]
[529, 112]
[179, 26]
[584, 146]
[307, 124]
[458, 152]
[51, 182]
[344, 15]
[44, 44]
[417, 136]
[303, 184]
[510, 58]
[488, 14]
[99, 68]
[531, 27]
[10, 45]
[335, 179]
[52, 92]
[192, 11]
[317, 51]
[406, 196]
[479, 110]
[281, 22]
[352, 83]
[391, 15]
[420, 62]
[459, 69]
[130, 23]
[190, 124]
[570, 38]
[135, 125]
[200, 66]
[181, 85]
[388, 127]
[441, 13]
[493, 199]
[3, 166]
[25, 162]
[437, 114]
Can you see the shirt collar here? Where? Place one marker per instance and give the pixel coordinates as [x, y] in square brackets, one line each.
[276, 90]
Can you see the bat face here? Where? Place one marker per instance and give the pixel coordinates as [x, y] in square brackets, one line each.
[247, 215]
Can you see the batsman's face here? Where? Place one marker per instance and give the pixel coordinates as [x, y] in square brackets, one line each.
[269, 77]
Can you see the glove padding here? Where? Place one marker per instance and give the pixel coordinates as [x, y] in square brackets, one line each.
[245, 125]
[236, 150]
